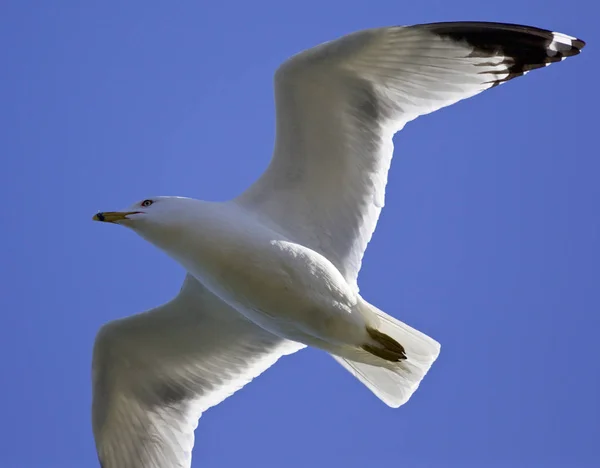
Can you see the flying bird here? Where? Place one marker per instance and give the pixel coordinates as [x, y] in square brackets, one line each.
[275, 269]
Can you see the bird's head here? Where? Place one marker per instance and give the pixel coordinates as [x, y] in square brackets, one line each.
[155, 219]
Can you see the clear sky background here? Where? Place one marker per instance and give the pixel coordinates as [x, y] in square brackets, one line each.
[489, 241]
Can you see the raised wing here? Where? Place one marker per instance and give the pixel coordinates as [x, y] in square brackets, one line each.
[340, 103]
[155, 373]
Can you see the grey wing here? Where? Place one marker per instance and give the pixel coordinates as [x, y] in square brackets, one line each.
[155, 373]
[340, 103]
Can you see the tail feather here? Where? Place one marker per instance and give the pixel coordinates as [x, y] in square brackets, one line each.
[393, 380]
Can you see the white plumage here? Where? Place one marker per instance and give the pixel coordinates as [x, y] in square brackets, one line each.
[276, 269]
[155, 373]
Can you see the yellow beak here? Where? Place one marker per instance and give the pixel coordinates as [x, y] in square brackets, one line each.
[113, 216]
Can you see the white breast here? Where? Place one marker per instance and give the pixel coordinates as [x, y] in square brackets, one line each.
[282, 286]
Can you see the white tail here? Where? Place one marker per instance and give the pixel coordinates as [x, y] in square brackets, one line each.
[395, 382]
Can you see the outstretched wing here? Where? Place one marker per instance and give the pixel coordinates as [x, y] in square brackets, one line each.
[155, 373]
[340, 103]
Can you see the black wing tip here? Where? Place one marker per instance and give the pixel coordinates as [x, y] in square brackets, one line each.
[579, 44]
[489, 35]
[526, 47]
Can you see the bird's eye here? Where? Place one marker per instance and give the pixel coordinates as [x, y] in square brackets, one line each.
[146, 203]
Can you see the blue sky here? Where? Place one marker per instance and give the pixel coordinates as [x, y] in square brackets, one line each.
[489, 241]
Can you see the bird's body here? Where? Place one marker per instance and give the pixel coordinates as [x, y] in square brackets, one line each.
[276, 269]
[282, 286]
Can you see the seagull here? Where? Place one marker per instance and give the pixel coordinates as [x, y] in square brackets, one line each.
[275, 269]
